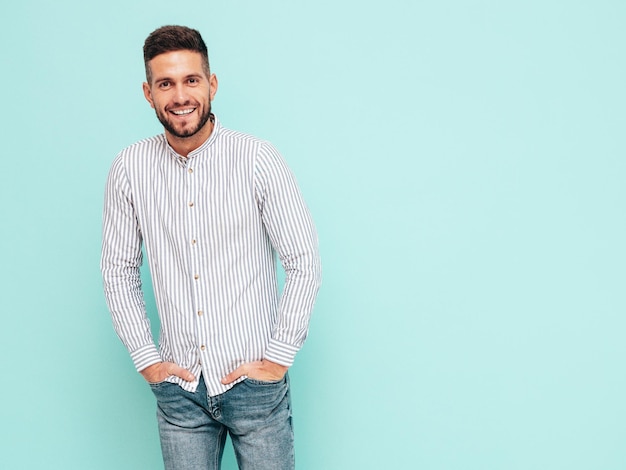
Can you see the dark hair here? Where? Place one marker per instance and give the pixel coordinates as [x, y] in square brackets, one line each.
[173, 38]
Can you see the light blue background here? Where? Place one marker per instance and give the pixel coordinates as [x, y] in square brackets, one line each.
[464, 162]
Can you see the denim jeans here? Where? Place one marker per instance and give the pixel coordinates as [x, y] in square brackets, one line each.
[257, 415]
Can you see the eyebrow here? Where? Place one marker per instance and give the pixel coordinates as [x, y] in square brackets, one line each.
[168, 79]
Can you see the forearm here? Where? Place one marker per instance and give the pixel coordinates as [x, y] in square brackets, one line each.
[124, 297]
[294, 314]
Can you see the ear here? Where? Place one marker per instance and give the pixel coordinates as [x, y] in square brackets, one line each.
[212, 86]
[148, 94]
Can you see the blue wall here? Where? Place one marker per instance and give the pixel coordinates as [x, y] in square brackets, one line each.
[464, 162]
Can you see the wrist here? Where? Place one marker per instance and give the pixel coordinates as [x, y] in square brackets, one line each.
[274, 366]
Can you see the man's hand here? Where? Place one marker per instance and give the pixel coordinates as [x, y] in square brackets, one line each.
[161, 370]
[259, 370]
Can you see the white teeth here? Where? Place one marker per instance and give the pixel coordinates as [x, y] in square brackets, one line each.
[183, 111]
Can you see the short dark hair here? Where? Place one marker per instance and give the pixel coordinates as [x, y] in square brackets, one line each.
[173, 38]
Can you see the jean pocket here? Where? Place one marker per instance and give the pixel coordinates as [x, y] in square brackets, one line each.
[157, 385]
[264, 383]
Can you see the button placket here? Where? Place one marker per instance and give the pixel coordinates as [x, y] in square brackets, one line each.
[195, 257]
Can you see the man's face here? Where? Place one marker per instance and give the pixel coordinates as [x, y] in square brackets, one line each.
[181, 92]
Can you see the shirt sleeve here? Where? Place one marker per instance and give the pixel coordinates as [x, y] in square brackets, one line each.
[292, 233]
[120, 263]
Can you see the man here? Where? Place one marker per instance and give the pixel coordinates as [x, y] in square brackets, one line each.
[212, 207]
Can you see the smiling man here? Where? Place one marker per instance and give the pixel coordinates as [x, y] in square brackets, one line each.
[212, 207]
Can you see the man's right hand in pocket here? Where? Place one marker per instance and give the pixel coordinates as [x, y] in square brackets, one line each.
[161, 370]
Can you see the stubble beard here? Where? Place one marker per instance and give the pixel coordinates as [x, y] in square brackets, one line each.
[204, 118]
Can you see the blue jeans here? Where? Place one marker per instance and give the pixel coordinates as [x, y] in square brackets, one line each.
[257, 415]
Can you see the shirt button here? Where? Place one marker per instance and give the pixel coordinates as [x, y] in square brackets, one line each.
[203, 347]
[196, 276]
[200, 313]
[193, 242]
[191, 204]
[190, 170]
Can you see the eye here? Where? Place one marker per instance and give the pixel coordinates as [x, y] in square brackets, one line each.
[193, 81]
[164, 84]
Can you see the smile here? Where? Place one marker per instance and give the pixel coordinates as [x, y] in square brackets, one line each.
[182, 112]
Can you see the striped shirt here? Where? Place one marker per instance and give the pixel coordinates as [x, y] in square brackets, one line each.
[211, 225]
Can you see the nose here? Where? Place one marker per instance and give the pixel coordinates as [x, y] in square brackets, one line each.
[180, 95]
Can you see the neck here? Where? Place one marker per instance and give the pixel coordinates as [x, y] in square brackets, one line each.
[185, 145]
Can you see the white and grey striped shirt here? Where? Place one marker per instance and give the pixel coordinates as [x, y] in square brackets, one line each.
[211, 224]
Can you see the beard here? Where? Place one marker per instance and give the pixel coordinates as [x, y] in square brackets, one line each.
[187, 132]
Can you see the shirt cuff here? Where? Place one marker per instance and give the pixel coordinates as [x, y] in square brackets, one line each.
[280, 353]
[145, 356]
